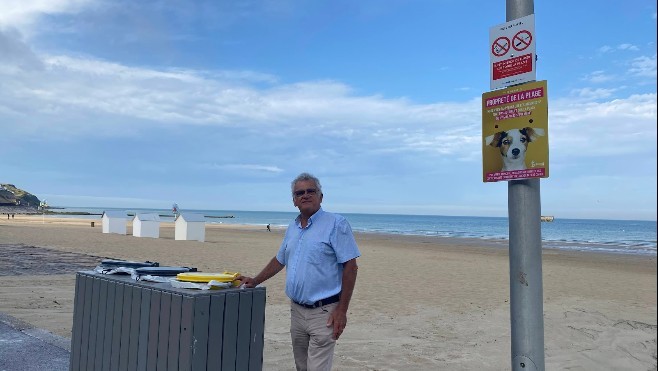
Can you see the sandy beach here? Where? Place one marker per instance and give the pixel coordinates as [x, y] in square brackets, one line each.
[420, 303]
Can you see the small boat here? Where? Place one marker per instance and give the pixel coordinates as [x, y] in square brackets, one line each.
[547, 218]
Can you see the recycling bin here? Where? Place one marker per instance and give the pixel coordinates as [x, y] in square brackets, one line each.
[122, 324]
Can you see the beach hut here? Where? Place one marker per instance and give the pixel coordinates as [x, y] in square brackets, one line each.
[114, 221]
[146, 225]
[190, 227]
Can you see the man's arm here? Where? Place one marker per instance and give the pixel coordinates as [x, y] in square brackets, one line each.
[339, 316]
[272, 268]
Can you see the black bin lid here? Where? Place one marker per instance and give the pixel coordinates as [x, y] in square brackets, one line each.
[127, 263]
[163, 271]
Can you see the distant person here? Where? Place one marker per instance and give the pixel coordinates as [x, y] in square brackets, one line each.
[268, 228]
[12, 216]
[321, 273]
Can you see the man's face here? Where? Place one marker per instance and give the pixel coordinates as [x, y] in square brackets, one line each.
[307, 197]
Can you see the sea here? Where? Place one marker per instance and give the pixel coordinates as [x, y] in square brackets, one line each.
[590, 235]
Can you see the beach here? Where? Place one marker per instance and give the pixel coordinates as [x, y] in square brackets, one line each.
[420, 303]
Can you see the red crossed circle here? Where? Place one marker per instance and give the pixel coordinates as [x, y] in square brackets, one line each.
[522, 40]
[501, 46]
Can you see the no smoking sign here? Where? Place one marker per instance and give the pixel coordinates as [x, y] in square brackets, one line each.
[512, 52]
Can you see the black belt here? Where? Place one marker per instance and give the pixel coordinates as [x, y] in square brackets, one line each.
[319, 303]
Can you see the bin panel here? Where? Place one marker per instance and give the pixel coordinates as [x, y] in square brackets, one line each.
[125, 327]
[93, 323]
[186, 327]
[133, 343]
[86, 321]
[154, 331]
[215, 335]
[109, 325]
[174, 332]
[257, 331]
[244, 331]
[144, 320]
[116, 327]
[231, 317]
[100, 326]
[76, 334]
[163, 335]
[200, 330]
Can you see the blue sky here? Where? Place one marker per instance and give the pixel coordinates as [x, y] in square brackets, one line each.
[220, 104]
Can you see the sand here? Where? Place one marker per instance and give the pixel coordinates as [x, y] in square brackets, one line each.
[420, 303]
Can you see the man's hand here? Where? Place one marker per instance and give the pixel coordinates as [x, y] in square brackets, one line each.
[272, 268]
[337, 319]
[247, 282]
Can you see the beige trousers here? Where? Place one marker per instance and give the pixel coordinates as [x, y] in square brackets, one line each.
[312, 342]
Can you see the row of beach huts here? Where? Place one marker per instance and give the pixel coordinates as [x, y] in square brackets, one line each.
[187, 226]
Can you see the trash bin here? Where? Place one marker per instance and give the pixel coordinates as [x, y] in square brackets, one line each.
[92, 224]
[125, 324]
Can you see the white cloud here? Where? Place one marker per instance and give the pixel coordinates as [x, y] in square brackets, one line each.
[597, 77]
[605, 49]
[644, 67]
[22, 14]
[592, 94]
[627, 47]
[83, 96]
[592, 129]
[247, 167]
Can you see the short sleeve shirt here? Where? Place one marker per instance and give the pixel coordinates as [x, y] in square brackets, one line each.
[314, 256]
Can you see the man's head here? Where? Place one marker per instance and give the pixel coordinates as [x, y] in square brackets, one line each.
[306, 194]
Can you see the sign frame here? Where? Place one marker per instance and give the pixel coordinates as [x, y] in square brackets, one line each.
[516, 65]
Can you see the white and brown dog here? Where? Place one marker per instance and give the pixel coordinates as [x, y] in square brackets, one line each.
[513, 144]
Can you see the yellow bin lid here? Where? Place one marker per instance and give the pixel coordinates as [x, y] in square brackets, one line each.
[206, 277]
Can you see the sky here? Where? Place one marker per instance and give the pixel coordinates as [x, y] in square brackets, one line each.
[220, 104]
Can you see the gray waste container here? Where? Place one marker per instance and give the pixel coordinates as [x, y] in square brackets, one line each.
[122, 324]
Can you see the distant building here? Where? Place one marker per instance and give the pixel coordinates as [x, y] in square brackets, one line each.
[114, 221]
[190, 227]
[146, 225]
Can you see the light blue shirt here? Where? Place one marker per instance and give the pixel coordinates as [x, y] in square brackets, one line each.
[314, 256]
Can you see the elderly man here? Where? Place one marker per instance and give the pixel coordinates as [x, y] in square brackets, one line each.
[319, 253]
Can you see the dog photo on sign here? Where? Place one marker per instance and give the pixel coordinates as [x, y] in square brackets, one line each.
[513, 145]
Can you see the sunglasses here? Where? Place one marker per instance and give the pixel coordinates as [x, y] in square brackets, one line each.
[301, 192]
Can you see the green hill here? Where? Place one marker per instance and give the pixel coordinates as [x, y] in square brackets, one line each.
[10, 194]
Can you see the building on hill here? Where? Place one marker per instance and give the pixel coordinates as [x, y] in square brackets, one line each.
[7, 197]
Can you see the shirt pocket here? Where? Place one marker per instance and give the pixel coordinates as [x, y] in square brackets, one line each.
[321, 253]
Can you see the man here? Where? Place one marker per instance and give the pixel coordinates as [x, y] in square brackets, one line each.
[319, 253]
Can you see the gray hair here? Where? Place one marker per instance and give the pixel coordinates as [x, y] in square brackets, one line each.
[305, 177]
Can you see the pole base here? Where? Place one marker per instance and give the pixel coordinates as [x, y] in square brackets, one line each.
[523, 363]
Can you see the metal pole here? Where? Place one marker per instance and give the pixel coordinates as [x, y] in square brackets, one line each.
[526, 290]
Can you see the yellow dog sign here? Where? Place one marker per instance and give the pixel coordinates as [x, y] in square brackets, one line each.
[515, 133]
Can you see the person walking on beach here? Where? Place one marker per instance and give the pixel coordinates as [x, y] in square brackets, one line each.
[319, 252]
[268, 228]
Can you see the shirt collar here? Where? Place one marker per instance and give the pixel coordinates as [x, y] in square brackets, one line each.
[298, 219]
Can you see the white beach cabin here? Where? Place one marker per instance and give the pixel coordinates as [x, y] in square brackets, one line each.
[114, 221]
[190, 227]
[146, 225]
